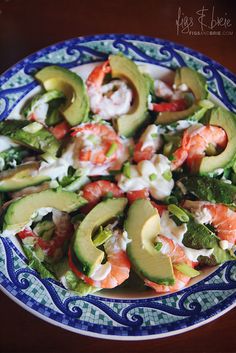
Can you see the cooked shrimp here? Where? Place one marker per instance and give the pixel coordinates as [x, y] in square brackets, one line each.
[117, 267]
[141, 154]
[147, 145]
[98, 74]
[164, 90]
[108, 100]
[95, 191]
[221, 217]
[181, 281]
[194, 144]
[177, 255]
[62, 233]
[97, 143]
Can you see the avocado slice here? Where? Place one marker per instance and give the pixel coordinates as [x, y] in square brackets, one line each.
[84, 249]
[30, 134]
[124, 68]
[197, 84]
[54, 77]
[21, 177]
[210, 189]
[227, 121]
[20, 211]
[142, 226]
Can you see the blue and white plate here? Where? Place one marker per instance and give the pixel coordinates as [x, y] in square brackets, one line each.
[123, 314]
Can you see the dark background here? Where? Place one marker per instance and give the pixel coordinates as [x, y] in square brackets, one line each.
[29, 25]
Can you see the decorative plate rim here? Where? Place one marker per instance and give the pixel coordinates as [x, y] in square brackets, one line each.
[229, 302]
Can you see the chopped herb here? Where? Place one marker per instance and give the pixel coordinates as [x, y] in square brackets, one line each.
[167, 175]
[179, 213]
[109, 195]
[112, 149]
[131, 151]
[92, 138]
[155, 135]
[171, 158]
[153, 176]
[126, 170]
[171, 199]
[158, 246]
[102, 236]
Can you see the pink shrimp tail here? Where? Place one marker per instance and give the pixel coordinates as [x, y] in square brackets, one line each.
[97, 75]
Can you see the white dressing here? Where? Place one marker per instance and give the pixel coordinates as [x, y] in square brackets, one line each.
[58, 168]
[225, 244]
[151, 138]
[176, 233]
[6, 143]
[141, 177]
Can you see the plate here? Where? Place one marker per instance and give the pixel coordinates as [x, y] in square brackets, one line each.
[121, 314]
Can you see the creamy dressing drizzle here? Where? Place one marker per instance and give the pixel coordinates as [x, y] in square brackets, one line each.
[151, 138]
[140, 177]
[6, 143]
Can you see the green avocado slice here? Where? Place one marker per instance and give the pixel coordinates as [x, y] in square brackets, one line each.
[30, 134]
[124, 68]
[21, 177]
[197, 84]
[54, 77]
[143, 225]
[19, 212]
[227, 121]
[84, 249]
[193, 79]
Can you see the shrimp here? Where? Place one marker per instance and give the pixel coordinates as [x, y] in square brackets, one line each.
[97, 143]
[177, 255]
[181, 281]
[164, 90]
[147, 145]
[62, 233]
[194, 144]
[221, 217]
[93, 192]
[98, 74]
[111, 99]
[118, 265]
[141, 154]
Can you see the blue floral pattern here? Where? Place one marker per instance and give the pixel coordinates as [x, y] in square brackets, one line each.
[94, 314]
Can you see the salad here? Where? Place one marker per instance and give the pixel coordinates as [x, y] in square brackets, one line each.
[120, 175]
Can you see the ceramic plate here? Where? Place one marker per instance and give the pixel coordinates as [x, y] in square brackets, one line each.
[123, 314]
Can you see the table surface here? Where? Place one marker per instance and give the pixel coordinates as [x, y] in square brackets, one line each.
[28, 25]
